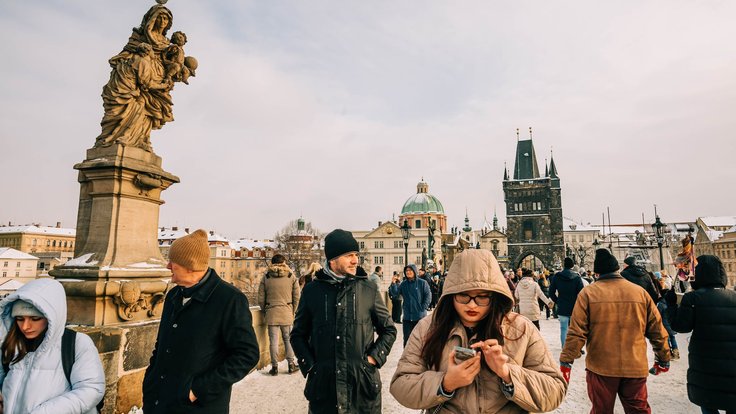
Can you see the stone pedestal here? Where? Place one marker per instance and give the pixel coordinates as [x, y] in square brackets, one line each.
[117, 274]
[117, 281]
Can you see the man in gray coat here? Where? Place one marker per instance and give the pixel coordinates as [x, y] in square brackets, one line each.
[278, 296]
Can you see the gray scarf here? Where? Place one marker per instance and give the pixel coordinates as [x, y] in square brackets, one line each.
[332, 274]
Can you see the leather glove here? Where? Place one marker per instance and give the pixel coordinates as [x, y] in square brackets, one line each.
[566, 369]
[659, 367]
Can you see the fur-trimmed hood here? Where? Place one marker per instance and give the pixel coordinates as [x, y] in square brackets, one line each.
[279, 270]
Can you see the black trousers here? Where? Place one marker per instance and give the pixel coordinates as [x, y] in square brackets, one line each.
[396, 310]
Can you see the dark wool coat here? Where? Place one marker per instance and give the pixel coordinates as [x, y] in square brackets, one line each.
[639, 276]
[332, 336]
[206, 345]
[564, 288]
[710, 313]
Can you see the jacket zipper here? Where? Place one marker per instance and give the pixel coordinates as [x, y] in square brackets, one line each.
[325, 307]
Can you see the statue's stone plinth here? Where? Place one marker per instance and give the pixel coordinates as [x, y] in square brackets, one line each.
[118, 273]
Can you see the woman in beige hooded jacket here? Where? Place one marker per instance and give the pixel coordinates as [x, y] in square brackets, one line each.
[513, 372]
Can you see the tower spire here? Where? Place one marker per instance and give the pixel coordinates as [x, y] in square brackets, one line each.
[495, 219]
[467, 227]
[505, 172]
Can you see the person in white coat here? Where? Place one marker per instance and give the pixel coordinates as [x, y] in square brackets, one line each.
[32, 322]
[528, 293]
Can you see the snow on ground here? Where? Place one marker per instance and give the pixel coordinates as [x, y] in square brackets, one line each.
[263, 394]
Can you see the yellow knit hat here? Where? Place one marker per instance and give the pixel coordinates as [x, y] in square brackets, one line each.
[191, 251]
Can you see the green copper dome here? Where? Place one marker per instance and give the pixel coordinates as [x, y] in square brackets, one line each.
[422, 202]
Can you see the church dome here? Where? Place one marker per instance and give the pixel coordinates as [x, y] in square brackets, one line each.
[422, 202]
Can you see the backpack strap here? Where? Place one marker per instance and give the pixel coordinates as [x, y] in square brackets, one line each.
[68, 345]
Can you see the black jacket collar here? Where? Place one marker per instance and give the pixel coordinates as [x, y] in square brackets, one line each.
[203, 292]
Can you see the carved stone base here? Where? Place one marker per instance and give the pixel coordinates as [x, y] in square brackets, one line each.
[117, 222]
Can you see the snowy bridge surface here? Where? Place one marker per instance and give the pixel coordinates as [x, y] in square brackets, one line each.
[264, 394]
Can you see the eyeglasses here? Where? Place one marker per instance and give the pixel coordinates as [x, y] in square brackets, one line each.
[480, 300]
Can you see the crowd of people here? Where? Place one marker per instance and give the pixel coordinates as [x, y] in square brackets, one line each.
[472, 342]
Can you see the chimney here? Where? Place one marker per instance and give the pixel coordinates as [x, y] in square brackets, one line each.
[58, 224]
[212, 232]
[186, 230]
[175, 228]
[380, 223]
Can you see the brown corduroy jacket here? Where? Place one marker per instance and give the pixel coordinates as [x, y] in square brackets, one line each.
[614, 317]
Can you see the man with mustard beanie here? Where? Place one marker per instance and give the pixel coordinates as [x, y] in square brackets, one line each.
[205, 342]
[333, 335]
[614, 316]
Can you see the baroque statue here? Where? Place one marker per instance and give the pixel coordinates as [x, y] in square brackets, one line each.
[137, 98]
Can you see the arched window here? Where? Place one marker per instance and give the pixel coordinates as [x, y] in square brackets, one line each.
[53, 244]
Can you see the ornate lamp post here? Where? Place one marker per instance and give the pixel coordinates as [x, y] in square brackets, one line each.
[405, 235]
[659, 231]
[596, 243]
[431, 227]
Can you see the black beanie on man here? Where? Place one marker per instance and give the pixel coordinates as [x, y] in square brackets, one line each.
[569, 263]
[604, 262]
[630, 261]
[339, 242]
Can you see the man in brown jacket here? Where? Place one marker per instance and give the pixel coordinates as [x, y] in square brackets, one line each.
[614, 316]
[278, 296]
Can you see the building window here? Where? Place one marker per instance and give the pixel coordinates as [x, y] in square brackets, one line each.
[6, 264]
[419, 244]
[48, 243]
[5, 274]
[378, 244]
[17, 274]
[33, 242]
[418, 224]
[378, 260]
[418, 259]
[397, 244]
[362, 245]
[528, 230]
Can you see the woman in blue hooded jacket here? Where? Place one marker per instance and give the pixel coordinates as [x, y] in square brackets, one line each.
[32, 322]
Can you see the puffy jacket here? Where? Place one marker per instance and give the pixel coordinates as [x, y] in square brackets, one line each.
[564, 289]
[528, 291]
[710, 313]
[615, 318]
[332, 337]
[538, 383]
[416, 295]
[36, 384]
[639, 276]
[278, 294]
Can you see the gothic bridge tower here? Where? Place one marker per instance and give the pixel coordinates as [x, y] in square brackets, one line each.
[533, 209]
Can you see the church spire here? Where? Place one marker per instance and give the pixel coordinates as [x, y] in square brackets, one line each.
[526, 160]
[552, 168]
[467, 227]
[505, 172]
[495, 219]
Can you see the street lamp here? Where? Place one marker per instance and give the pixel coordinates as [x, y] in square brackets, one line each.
[405, 235]
[596, 243]
[659, 231]
[431, 227]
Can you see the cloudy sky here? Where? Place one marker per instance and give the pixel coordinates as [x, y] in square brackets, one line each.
[335, 110]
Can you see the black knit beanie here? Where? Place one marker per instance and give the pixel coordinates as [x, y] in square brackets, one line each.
[569, 263]
[339, 242]
[604, 262]
[630, 261]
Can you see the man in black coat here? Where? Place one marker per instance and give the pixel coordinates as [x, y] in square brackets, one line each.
[333, 334]
[205, 340]
[639, 276]
[564, 288]
[710, 313]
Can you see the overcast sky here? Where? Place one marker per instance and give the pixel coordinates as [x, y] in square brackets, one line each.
[335, 110]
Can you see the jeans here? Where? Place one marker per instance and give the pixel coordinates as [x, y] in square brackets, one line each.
[672, 341]
[273, 339]
[564, 324]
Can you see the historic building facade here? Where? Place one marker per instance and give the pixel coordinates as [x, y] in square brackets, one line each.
[533, 210]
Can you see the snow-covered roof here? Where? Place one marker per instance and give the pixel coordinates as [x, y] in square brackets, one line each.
[571, 225]
[170, 234]
[10, 253]
[713, 235]
[731, 230]
[719, 221]
[11, 285]
[33, 229]
[250, 244]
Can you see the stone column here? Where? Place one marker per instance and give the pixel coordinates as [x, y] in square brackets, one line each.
[117, 281]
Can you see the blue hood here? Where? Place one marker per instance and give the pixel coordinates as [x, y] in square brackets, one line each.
[48, 296]
[412, 267]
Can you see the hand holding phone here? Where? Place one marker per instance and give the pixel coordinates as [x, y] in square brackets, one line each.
[463, 354]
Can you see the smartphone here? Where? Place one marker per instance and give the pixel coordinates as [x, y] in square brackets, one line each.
[463, 354]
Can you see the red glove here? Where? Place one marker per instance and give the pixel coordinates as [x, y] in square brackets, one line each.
[659, 367]
[566, 372]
